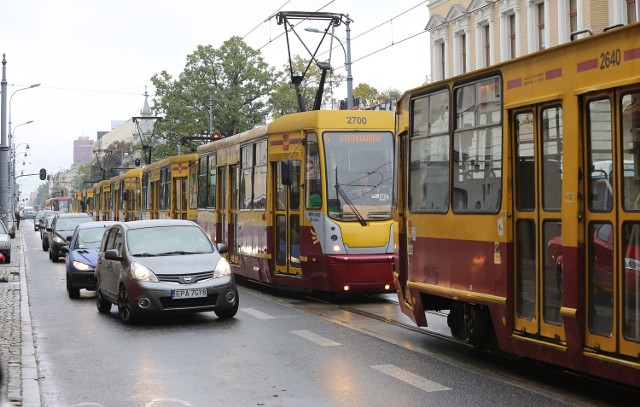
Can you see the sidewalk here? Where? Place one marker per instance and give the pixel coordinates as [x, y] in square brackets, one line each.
[19, 385]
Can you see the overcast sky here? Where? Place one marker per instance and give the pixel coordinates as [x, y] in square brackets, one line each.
[93, 58]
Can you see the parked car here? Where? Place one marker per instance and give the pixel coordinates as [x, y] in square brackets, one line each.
[44, 234]
[5, 243]
[62, 227]
[163, 265]
[82, 255]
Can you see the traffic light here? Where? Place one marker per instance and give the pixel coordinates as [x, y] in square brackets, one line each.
[216, 136]
[43, 174]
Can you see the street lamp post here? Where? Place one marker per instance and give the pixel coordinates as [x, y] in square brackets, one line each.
[145, 124]
[12, 170]
[347, 58]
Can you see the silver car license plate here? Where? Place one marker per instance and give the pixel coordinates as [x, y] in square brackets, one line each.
[190, 293]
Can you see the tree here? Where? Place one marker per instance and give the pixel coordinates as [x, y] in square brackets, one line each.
[106, 162]
[284, 100]
[234, 75]
[368, 94]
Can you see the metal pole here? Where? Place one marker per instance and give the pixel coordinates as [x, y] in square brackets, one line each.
[4, 149]
[348, 63]
[210, 115]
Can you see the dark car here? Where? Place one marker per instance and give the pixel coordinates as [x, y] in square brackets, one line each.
[44, 234]
[62, 228]
[168, 265]
[82, 254]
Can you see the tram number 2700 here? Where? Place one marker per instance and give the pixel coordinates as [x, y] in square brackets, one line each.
[609, 59]
[356, 120]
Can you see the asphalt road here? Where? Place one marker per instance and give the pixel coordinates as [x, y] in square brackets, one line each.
[273, 353]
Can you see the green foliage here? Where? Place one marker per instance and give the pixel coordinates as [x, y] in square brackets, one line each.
[234, 75]
[284, 100]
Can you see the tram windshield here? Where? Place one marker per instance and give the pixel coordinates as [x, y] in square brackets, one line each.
[359, 175]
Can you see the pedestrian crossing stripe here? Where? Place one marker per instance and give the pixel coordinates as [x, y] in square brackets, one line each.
[410, 378]
[317, 339]
[255, 313]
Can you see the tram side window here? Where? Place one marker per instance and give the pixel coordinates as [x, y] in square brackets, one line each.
[477, 148]
[552, 156]
[246, 184]
[429, 155]
[145, 191]
[203, 171]
[630, 108]
[600, 144]
[260, 176]
[165, 185]
[313, 182]
[212, 179]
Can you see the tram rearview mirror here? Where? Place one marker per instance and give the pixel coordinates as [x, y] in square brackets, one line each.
[286, 172]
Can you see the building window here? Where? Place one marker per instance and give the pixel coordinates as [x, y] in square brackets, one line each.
[442, 64]
[540, 19]
[463, 53]
[631, 12]
[512, 35]
[487, 45]
[573, 16]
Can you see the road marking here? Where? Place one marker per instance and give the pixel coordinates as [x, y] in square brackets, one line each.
[258, 314]
[408, 377]
[317, 339]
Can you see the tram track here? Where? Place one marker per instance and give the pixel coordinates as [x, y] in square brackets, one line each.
[552, 381]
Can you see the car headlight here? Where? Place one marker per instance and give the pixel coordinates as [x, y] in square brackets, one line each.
[59, 240]
[631, 264]
[81, 266]
[141, 273]
[222, 268]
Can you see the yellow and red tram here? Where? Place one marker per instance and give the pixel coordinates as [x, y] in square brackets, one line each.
[519, 205]
[305, 201]
[168, 188]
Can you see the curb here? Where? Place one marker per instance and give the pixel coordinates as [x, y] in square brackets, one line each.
[29, 382]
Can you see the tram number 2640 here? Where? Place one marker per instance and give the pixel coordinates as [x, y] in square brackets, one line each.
[609, 59]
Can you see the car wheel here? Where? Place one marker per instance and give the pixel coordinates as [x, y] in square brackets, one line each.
[45, 246]
[13, 235]
[228, 313]
[124, 306]
[71, 290]
[104, 306]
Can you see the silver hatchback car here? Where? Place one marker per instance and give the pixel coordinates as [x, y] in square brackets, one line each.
[164, 265]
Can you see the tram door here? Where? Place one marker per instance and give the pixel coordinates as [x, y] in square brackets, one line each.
[181, 197]
[537, 181]
[612, 222]
[287, 220]
[233, 214]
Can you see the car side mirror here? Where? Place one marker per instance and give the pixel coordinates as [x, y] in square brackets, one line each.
[112, 254]
[64, 249]
[69, 238]
[49, 229]
[222, 248]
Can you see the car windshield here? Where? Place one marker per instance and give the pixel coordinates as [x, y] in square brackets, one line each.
[89, 238]
[70, 223]
[168, 240]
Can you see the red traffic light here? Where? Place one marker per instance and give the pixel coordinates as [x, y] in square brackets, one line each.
[216, 136]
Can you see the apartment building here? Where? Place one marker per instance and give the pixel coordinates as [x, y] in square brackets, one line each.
[473, 34]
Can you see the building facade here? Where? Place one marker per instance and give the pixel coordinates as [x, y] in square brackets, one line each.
[473, 34]
[82, 151]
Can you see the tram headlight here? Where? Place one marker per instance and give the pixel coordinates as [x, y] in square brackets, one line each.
[336, 248]
[222, 268]
[631, 264]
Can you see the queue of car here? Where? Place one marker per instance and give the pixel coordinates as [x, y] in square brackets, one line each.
[142, 267]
